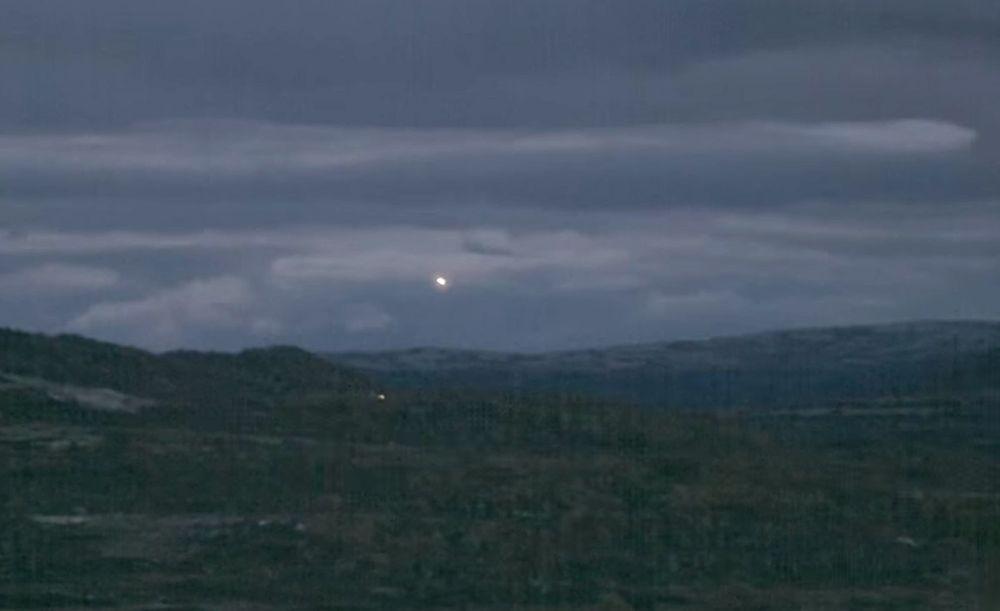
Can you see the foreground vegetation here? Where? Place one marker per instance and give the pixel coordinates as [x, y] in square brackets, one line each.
[339, 500]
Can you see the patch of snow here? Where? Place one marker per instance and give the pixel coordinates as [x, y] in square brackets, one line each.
[100, 399]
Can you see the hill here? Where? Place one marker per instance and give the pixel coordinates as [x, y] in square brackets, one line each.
[274, 480]
[779, 369]
[252, 378]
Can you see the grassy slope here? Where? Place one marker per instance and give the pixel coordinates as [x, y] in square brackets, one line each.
[251, 377]
[445, 501]
[475, 500]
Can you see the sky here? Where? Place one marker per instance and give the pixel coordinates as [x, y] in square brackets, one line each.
[218, 174]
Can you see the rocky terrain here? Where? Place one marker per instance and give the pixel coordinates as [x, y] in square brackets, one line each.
[272, 480]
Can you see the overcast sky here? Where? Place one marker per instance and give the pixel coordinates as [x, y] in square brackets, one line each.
[228, 173]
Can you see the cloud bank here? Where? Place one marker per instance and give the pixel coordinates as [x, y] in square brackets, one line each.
[226, 173]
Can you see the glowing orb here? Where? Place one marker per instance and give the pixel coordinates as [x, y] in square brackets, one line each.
[441, 281]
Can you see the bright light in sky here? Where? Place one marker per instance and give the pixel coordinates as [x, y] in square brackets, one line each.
[441, 281]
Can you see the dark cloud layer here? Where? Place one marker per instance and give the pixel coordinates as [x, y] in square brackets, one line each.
[763, 164]
[390, 62]
[223, 173]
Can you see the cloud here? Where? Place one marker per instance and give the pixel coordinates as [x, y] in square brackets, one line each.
[366, 318]
[899, 137]
[80, 243]
[485, 242]
[661, 304]
[878, 231]
[416, 255]
[169, 317]
[624, 277]
[586, 171]
[57, 279]
[379, 63]
[236, 172]
[247, 149]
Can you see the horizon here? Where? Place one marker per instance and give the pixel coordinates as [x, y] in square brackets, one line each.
[404, 349]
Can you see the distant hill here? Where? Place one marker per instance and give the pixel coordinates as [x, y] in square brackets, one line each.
[792, 368]
[78, 367]
[774, 369]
